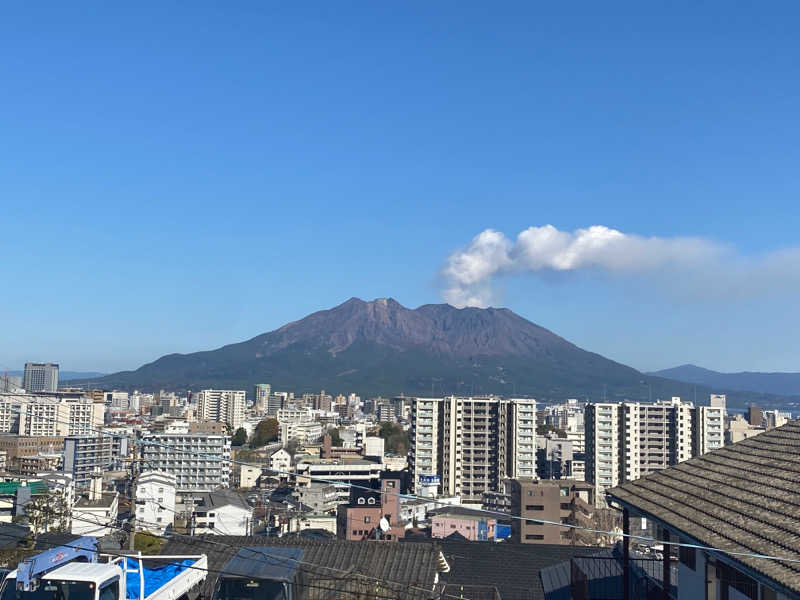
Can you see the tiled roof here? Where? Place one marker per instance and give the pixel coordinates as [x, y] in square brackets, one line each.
[740, 498]
[329, 561]
[513, 569]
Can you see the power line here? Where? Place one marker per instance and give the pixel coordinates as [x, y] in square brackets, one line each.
[261, 552]
[641, 538]
[218, 572]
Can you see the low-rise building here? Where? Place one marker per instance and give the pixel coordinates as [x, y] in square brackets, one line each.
[155, 502]
[223, 512]
[280, 461]
[95, 512]
[554, 501]
[249, 475]
[346, 470]
[473, 526]
[372, 514]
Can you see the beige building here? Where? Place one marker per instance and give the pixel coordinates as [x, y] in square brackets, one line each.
[472, 444]
[223, 406]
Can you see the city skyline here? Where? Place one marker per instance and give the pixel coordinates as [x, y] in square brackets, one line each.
[197, 179]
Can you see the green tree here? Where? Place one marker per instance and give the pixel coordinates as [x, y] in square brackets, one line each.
[147, 543]
[396, 438]
[336, 437]
[47, 514]
[545, 429]
[266, 431]
[239, 438]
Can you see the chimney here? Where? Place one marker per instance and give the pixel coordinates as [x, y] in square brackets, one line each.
[96, 486]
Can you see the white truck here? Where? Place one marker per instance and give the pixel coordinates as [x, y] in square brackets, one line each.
[78, 571]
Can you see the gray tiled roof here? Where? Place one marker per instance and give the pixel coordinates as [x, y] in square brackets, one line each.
[740, 498]
[328, 562]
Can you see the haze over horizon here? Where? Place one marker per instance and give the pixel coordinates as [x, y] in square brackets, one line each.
[175, 180]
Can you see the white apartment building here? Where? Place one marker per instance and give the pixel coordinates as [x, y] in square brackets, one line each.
[223, 406]
[200, 462]
[471, 444]
[629, 440]
[49, 414]
[155, 501]
[303, 432]
[295, 415]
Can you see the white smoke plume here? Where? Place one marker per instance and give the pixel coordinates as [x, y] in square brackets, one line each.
[468, 274]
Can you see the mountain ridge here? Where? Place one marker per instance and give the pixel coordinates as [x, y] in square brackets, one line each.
[776, 382]
[380, 347]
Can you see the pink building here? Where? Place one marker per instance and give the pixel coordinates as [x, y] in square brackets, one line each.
[473, 527]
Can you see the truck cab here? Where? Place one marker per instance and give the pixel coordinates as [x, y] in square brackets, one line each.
[79, 572]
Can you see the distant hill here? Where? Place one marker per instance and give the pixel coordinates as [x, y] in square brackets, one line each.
[787, 384]
[67, 375]
[381, 347]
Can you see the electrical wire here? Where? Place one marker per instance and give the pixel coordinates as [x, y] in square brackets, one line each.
[641, 538]
[218, 572]
[265, 554]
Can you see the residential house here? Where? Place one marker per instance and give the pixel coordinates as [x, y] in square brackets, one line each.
[740, 505]
[223, 512]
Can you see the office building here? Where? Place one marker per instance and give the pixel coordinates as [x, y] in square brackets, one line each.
[40, 377]
[200, 462]
[223, 406]
[469, 445]
[261, 394]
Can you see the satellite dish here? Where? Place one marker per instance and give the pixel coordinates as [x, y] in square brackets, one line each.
[384, 524]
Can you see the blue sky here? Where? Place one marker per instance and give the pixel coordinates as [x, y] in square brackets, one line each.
[173, 178]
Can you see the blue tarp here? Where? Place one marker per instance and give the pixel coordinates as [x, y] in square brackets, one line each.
[153, 578]
[502, 532]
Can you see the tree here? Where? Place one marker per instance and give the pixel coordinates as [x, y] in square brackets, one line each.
[545, 429]
[336, 438]
[266, 431]
[292, 446]
[147, 543]
[239, 438]
[396, 438]
[47, 514]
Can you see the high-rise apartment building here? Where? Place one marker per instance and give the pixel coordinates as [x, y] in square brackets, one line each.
[261, 394]
[223, 406]
[40, 377]
[629, 440]
[471, 444]
[199, 462]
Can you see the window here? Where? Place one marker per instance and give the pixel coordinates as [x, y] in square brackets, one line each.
[687, 556]
[390, 484]
[110, 591]
[355, 532]
[565, 506]
[212, 514]
[534, 507]
[534, 536]
[361, 500]
[367, 519]
[563, 492]
[371, 501]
